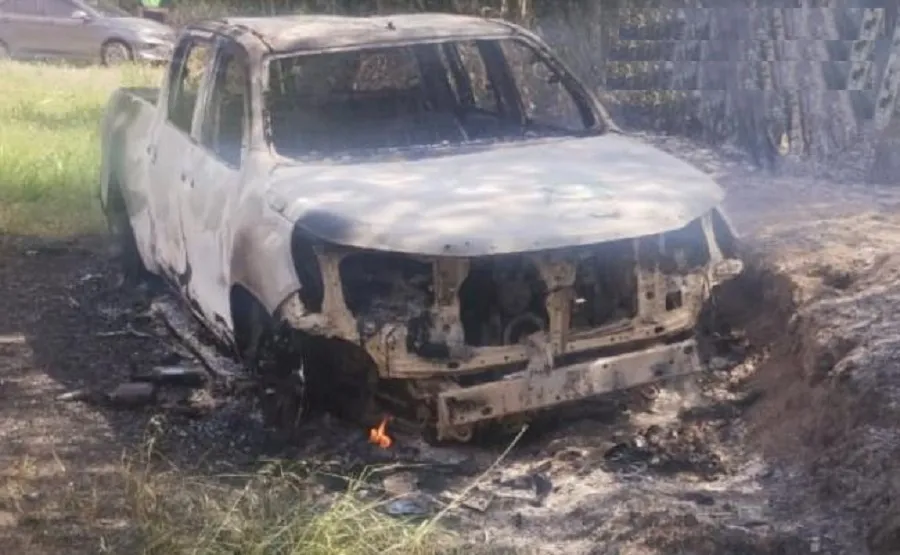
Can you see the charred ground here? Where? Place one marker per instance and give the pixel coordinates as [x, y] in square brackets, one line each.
[782, 446]
[82, 330]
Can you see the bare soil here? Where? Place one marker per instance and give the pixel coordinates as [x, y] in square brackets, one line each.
[54, 297]
[785, 445]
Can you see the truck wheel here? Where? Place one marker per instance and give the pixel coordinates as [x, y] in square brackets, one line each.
[115, 53]
[277, 356]
[284, 392]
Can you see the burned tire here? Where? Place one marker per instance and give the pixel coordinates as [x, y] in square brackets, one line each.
[115, 53]
[282, 367]
[277, 357]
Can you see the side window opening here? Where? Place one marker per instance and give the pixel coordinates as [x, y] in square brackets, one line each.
[58, 8]
[224, 122]
[20, 7]
[546, 100]
[437, 78]
[483, 95]
[188, 68]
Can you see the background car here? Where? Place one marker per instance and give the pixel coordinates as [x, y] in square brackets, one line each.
[83, 30]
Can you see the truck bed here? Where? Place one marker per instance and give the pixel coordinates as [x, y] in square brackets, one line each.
[127, 121]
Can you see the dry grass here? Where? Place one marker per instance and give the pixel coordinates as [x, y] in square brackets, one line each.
[149, 506]
[274, 511]
[50, 144]
[281, 509]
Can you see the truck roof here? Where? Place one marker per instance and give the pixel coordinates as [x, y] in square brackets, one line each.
[315, 32]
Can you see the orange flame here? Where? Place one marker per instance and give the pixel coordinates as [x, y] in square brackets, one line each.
[378, 435]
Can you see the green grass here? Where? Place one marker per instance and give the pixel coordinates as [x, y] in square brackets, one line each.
[50, 144]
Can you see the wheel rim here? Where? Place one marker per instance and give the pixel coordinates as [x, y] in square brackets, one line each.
[114, 54]
[281, 365]
[285, 400]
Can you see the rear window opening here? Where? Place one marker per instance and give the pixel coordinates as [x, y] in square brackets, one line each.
[458, 92]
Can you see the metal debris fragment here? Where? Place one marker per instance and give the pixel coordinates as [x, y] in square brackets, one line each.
[12, 339]
[89, 277]
[128, 331]
[415, 506]
[185, 331]
[186, 376]
[75, 395]
[133, 394]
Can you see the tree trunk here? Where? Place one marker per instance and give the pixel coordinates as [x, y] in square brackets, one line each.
[860, 82]
[887, 93]
[886, 164]
[861, 53]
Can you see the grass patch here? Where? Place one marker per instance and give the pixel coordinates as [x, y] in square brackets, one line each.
[50, 144]
[275, 511]
[280, 509]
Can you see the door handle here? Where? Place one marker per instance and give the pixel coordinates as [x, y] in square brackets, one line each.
[151, 151]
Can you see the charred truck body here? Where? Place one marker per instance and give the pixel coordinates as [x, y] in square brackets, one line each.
[430, 202]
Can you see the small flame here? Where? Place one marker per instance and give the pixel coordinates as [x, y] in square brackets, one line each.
[378, 435]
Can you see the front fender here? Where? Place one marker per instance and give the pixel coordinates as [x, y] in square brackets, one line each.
[261, 260]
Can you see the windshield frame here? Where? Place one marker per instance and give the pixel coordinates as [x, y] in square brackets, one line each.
[596, 118]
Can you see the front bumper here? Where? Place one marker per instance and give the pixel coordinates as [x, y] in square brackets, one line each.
[154, 53]
[522, 392]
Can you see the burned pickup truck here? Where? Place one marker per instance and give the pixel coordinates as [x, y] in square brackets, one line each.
[430, 207]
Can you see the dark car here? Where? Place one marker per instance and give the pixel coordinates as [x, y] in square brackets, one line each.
[83, 30]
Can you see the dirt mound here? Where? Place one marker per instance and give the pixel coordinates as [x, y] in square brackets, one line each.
[830, 384]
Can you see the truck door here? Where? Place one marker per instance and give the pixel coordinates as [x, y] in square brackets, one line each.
[171, 150]
[212, 192]
[68, 36]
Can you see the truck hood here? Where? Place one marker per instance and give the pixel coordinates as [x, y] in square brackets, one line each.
[138, 26]
[525, 196]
